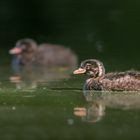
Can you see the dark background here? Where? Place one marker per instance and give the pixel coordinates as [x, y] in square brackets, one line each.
[103, 29]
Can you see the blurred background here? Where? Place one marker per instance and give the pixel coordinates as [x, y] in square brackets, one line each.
[103, 29]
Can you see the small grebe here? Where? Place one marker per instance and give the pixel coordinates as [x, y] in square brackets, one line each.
[117, 81]
[27, 52]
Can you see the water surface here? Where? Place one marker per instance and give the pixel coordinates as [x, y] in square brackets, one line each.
[58, 109]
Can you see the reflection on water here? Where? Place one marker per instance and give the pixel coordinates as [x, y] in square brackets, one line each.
[99, 102]
[29, 78]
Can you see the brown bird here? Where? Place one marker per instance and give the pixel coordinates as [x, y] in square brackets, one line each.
[114, 81]
[26, 52]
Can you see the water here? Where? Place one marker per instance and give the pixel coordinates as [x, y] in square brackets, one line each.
[38, 107]
[58, 109]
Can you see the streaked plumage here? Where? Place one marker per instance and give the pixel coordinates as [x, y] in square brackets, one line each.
[117, 81]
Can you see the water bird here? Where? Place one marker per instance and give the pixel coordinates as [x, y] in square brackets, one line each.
[27, 52]
[113, 81]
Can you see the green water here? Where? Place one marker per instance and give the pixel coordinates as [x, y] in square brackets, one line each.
[59, 109]
[51, 108]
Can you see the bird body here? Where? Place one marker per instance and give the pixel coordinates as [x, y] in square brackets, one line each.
[117, 81]
[27, 53]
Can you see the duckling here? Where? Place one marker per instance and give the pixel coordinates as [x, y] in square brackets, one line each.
[27, 52]
[114, 81]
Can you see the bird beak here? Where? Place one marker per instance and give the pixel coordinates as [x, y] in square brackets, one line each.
[15, 50]
[79, 71]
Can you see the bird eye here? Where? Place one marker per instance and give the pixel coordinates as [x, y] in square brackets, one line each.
[88, 67]
[23, 47]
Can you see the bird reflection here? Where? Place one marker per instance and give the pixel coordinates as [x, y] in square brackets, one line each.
[93, 112]
[99, 102]
[30, 78]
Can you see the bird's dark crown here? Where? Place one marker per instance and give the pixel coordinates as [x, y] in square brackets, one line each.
[92, 67]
